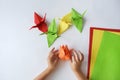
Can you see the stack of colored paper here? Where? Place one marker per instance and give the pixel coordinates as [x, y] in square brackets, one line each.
[104, 54]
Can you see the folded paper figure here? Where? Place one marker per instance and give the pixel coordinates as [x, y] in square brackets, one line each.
[64, 52]
[52, 33]
[64, 23]
[77, 19]
[40, 23]
[71, 18]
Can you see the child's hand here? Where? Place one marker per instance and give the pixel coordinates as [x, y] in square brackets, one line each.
[52, 62]
[53, 59]
[76, 60]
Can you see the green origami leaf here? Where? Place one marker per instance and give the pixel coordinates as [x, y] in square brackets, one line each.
[52, 33]
[77, 19]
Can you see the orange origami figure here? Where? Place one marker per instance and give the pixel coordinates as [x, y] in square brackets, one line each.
[64, 53]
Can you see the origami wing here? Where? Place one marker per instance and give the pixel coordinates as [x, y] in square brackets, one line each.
[77, 19]
[52, 33]
[64, 24]
[52, 27]
[40, 23]
[37, 19]
[67, 18]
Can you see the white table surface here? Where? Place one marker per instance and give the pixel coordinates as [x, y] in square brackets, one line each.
[23, 52]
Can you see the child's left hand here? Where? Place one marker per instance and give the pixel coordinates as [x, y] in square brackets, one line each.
[53, 59]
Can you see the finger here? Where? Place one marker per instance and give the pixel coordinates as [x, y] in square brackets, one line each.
[56, 60]
[72, 55]
[76, 55]
[55, 51]
[71, 50]
[81, 56]
[52, 49]
[51, 52]
[57, 54]
[73, 59]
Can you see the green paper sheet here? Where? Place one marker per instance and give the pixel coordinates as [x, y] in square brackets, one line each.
[107, 65]
[77, 19]
[52, 33]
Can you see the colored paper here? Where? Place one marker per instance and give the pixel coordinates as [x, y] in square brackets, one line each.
[94, 45]
[107, 65]
[64, 53]
[64, 24]
[52, 33]
[40, 23]
[77, 19]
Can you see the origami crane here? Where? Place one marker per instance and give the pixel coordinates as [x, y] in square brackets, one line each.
[72, 18]
[77, 19]
[69, 19]
[40, 23]
[52, 33]
[64, 53]
[64, 24]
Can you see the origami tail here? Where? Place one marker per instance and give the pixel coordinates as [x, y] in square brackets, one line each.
[44, 18]
[32, 27]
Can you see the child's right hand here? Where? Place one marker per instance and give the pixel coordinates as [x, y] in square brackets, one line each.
[76, 60]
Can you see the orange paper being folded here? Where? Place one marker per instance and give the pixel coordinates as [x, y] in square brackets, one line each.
[64, 53]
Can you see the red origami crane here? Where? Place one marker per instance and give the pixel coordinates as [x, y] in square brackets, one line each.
[40, 23]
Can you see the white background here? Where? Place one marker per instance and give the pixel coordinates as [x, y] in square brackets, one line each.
[23, 53]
